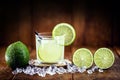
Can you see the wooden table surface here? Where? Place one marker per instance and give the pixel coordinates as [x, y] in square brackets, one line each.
[112, 73]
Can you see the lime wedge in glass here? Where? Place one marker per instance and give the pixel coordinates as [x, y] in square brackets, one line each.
[104, 58]
[83, 57]
[66, 30]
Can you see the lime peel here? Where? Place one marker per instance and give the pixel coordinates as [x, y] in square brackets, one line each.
[17, 55]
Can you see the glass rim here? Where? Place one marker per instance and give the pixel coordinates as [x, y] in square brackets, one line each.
[46, 35]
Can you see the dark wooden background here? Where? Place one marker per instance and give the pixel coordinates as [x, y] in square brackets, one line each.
[96, 22]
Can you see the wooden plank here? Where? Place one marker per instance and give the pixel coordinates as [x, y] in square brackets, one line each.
[79, 22]
[109, 74]
[5, 71]
[95, 26]
[48, 77]
[24, 25]
[117, 49]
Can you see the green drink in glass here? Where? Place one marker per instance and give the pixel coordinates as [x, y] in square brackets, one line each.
[49, 49]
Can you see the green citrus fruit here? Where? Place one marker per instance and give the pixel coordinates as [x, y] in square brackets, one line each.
[104, 58]
[66, 30]
[83, 57]
[17, 55]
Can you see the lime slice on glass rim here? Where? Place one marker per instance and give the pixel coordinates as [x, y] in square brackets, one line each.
[67, 31]
[104, 58]
[83, 58]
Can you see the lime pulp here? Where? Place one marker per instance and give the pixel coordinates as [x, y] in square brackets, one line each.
[83, 58]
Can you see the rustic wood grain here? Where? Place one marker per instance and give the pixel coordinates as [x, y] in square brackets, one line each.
[5, 71]
[117, 49]
[48, 77]
[109, 74]
[24, 24]
[95, 24]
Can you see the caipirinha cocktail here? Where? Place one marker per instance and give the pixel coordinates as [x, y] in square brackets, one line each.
[49, 49]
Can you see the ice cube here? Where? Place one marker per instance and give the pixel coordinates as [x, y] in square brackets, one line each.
[100, 70]
[34, 62]
[42, 72]
[35, 69]
[89, 71]
[61, 70]
[69, 67]
[19, 70]
[50, 70]
[27, 70]
[94, 68]
[31, 62]
[14, 72]
[74, 69]
[55, 68]
[67, 61]
[37, 62]
[82, 69]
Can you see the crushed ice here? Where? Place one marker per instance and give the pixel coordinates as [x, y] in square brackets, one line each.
[31, 69]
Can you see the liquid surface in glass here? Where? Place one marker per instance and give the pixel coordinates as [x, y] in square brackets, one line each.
[50, 50]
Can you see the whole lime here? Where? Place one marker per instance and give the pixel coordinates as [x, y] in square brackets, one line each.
[17, 55]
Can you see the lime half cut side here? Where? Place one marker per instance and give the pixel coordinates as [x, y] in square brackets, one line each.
[83, 58]
[66, 30]
[104, 58]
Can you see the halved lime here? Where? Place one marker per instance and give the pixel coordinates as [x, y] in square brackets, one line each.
[66, 30]
[83, 57]
[104, 58]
